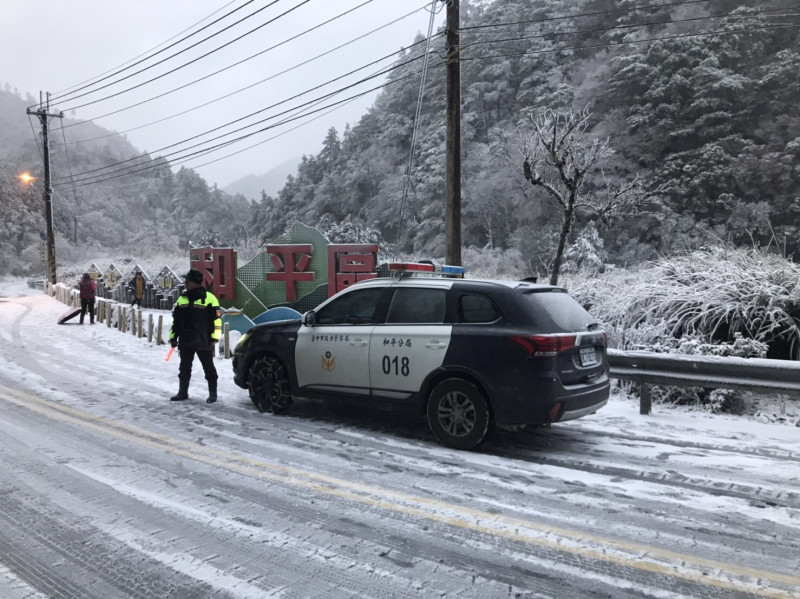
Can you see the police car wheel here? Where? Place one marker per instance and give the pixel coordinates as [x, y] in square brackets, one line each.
[269, 386]
[458, 414]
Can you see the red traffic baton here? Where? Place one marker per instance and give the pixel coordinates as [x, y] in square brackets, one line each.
[169, 354]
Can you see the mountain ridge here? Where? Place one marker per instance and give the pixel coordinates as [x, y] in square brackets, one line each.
[270, 182]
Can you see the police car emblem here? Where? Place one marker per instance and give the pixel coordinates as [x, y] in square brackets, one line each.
[328, 362]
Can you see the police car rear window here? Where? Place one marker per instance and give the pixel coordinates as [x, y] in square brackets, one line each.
[476, 308]
[557, 311]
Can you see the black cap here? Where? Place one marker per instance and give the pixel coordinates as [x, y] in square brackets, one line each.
[195, 276]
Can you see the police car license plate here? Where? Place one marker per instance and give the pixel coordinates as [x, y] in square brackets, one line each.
[588, 356]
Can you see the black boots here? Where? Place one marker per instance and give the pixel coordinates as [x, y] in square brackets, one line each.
[212, 391]
[183, 392]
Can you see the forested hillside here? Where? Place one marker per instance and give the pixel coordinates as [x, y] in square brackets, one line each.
[697, 99]
[149, 211]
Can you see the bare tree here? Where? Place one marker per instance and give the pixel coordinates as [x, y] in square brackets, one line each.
[558, 155]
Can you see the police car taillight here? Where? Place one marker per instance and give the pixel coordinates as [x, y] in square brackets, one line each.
[545, 345]
[425, 267]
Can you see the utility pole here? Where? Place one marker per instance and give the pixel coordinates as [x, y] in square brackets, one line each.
[43, 113]
[453, 133]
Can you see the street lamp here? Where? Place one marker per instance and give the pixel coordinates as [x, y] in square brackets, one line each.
[49, 238]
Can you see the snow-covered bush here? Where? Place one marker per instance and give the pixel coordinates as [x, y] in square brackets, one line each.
[718, 301]
[710, 295]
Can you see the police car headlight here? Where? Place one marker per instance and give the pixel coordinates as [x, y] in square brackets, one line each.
[242, 340]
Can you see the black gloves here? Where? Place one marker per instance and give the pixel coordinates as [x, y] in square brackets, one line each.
[173, 342]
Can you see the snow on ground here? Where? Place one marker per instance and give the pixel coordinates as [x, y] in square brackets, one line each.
[670, 466]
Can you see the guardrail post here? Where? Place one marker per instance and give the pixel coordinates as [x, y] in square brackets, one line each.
[645, 401]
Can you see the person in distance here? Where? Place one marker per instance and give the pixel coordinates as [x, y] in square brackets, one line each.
[88, 290]
[137, 287]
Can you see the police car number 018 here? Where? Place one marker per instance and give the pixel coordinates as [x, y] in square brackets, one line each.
[396, 365]
[588, 356]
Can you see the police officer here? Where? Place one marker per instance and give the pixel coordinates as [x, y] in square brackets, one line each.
[196, 326]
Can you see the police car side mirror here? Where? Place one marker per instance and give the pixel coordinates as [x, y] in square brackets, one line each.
[310, 318]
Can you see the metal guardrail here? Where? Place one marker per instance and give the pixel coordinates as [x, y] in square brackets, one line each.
[714, 372]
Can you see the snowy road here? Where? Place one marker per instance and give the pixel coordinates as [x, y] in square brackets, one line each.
[109, 490]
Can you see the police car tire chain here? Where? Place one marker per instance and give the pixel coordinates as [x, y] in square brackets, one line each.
[279, 388]
[256, 383]
[458, 414]
[270, 389]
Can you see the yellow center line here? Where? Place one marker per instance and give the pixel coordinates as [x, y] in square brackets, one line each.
[646, 558]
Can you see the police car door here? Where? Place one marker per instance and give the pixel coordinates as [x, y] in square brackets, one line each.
[412, 342]
[332, 357]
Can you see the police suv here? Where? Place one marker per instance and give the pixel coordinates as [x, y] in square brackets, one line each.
[470, 354]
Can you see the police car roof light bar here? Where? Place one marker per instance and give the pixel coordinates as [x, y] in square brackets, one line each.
[408, 268]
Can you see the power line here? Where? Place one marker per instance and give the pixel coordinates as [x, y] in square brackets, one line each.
[96, 79]
[86, 175]
[163, 161]
[261, 143]
[116, 134]
[75, 97]
[284, 101]
[247, 59]
[186, 64]
[223, 144]
[415, 129]
[69, 163]
[297, 108]
[36, 139]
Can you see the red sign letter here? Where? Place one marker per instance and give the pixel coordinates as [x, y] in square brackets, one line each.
[286, 269]
[350, 263]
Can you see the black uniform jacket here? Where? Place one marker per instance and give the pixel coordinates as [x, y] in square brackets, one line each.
[196, 320]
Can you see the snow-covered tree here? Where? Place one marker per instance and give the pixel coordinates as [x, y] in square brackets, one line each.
[559, 155]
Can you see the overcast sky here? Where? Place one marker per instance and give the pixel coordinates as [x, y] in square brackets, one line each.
[56, 46]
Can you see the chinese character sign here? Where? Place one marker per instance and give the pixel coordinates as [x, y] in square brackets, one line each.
[290, 262]
[218, 266]
[350, 263]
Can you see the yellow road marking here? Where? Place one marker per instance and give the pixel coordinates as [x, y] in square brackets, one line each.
[649, 559]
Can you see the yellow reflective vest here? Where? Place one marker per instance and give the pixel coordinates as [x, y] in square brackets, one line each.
[196, 320]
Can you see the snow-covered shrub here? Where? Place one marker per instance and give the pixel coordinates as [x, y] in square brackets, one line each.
[694, 345]
[710, 294]
[718, 301]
